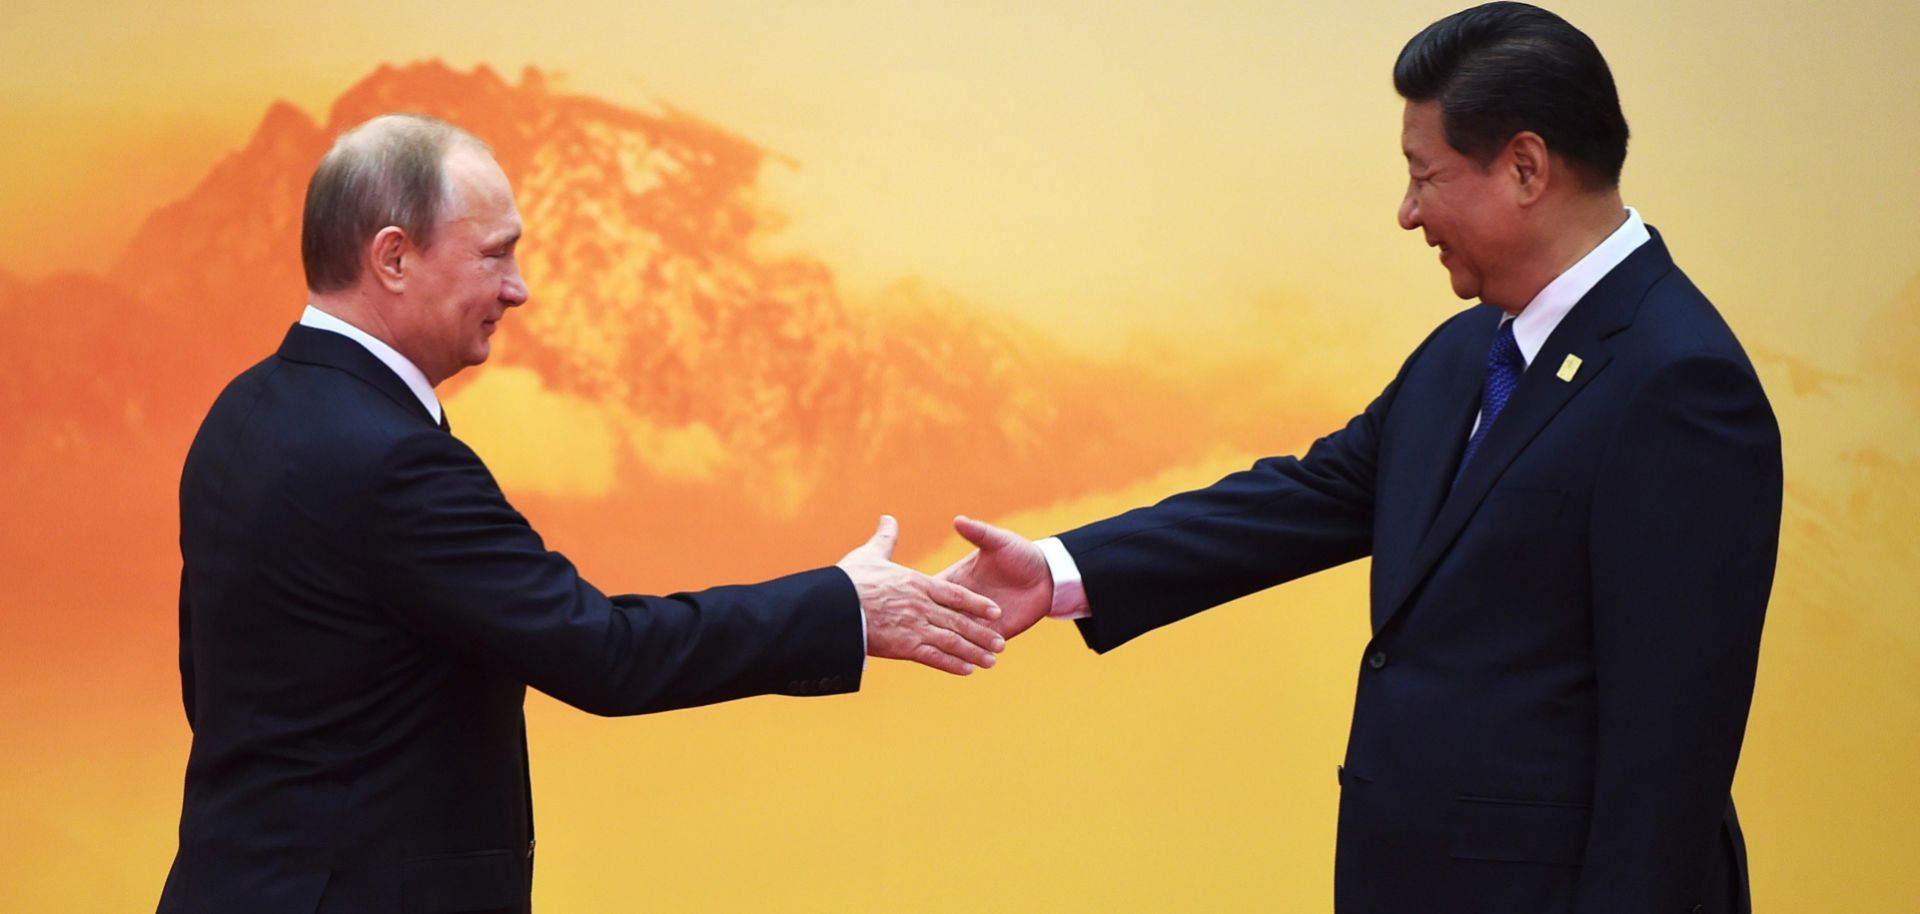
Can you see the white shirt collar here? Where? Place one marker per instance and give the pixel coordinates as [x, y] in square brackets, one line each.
[415, 379]
[1537, 320]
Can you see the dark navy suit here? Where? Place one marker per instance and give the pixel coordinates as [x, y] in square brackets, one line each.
[1564, 639]
[361, 612]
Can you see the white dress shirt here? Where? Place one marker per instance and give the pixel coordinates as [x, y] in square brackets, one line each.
[1531, 328]
[416, 380]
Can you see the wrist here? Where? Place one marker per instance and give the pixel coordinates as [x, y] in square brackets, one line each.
[1069, 600]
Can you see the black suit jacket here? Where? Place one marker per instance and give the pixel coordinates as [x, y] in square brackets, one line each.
[1564, 639]
[360, 614]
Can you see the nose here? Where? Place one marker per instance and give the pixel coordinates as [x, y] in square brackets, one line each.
[513, 292]
[1409, 211]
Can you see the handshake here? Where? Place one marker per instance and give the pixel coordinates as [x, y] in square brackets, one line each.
[960, 618]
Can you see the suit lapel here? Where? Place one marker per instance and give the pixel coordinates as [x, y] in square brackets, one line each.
[1445, 426]
[1605, 310]
[324, 347]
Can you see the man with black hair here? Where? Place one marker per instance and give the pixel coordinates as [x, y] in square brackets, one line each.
[1571, 495]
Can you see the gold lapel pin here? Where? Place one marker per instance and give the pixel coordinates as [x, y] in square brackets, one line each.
[1568, 367]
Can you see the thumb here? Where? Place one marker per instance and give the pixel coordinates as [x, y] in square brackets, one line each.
[986, 537]
[885, 536]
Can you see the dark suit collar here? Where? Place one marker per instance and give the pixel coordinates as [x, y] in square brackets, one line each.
[1612, 303]
[312, 346]
[1608, 308]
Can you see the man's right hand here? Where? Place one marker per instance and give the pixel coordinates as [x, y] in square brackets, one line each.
[911, 616]
[1007, 568]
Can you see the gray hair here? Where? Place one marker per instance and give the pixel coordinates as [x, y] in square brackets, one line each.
[386, 172]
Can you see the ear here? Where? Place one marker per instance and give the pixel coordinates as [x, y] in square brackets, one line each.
[387, 258]
[1530, 166]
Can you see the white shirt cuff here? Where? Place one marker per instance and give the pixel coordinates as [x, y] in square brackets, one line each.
[1069, 597]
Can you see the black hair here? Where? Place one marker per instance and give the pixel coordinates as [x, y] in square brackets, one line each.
[1501, 68]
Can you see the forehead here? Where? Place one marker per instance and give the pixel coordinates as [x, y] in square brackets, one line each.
[478, 191]
[1422, 137]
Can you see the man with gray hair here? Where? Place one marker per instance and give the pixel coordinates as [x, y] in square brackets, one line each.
[361, 610]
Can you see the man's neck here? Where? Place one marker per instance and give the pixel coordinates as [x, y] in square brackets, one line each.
[354, 309]
[1580, 227]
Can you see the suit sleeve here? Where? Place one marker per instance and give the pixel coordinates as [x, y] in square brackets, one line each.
[1281, 519]
[186, 651]
[1685, 530]
[454, 562]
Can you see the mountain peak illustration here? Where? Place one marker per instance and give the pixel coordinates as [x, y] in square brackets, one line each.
[658, 296]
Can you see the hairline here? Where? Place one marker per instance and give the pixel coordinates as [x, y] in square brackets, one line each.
[360, 188]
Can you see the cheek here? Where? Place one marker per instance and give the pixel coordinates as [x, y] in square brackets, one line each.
[1437, 207]
[1467, 222]
[1490, 233]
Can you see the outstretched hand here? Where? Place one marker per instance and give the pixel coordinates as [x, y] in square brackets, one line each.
[911, 616]
[1006, 568]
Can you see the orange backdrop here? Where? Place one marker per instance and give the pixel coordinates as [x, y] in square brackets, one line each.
[796, 265]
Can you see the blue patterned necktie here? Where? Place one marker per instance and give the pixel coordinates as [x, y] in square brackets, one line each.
[1504, 366]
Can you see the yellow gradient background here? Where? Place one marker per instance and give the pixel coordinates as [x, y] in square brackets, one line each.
[1036, 262]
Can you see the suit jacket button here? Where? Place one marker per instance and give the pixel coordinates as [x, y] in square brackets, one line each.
[1378, 660]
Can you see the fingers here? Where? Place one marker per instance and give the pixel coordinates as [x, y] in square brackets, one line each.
[981, 636]
[885, 536]
[954, 596]
[926, 643]
[912, 626]
[953, 645]
[949, 641]
[928, 655]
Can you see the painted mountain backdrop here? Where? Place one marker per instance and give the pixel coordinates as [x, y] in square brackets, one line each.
[674, 363]
[689, 399]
